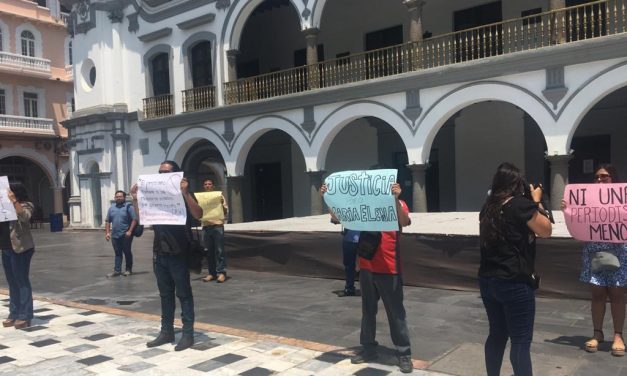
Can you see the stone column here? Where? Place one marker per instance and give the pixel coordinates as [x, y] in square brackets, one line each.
[559, 178]
[415, 23]
[58, 198]
[315, 181]
[557, 19]
[419, 196]
[231, 57]
[235, 184]
[313, 74]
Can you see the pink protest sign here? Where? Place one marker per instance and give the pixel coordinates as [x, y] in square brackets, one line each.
[596, 212]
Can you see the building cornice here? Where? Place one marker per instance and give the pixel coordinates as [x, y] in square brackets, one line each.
[96, 114]
[608, 47]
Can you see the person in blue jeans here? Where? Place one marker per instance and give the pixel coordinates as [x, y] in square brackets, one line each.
[119, 225]
[170, 247]
[350, 238]
[213, 236]
[18, 247]
[509, 224]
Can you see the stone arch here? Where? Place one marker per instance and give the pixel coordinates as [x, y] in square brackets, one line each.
[46, 166]
[338, 119]
[237, 17]
[255, 129]
[182, 143]
[317, 9]
[449, 104]
[583, 100]
[36, 34]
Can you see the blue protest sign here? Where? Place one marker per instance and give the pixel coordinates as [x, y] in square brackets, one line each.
[363, 200]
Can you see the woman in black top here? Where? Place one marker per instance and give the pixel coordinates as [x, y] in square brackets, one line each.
[509, 223]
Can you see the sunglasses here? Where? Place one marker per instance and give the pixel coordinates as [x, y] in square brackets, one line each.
[602, 176]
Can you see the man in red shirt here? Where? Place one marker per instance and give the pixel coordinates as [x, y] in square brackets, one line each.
[380, 278]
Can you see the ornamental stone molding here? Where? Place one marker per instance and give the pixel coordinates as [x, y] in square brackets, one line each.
[223, 4]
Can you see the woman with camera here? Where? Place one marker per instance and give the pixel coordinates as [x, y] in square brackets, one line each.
[509, 223]
[605, 283]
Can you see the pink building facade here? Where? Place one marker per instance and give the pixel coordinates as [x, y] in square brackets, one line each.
[36, 94]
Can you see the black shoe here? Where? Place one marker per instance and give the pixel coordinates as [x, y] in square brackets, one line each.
[161, 339]
[186, 341]
[405, 364]
[365, 356]
[346, 292]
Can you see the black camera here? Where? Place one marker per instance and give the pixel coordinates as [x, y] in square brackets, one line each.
[547, 209]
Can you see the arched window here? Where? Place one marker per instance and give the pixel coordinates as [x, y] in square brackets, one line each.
[201, 64]
[160, 74]
[28, 43]
[69, 51]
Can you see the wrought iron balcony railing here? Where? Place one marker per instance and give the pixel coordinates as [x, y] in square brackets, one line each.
[159, 106]
[23, 63]
[26, 124]
[199, 98]
[532, 32]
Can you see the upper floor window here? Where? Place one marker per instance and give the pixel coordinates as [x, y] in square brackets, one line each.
[28, 43]
[160, 74]
[3, 101]
[201, 64]
[69, 57]
[30, 105]
[41, 3]
[1, 47]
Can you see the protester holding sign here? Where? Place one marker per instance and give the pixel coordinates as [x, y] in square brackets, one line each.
[18, 247]
[214, 216]
[380, 276]
[604, 260]
[170, 247]
[509, 223]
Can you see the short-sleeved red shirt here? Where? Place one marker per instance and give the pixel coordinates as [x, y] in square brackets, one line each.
[386, 259]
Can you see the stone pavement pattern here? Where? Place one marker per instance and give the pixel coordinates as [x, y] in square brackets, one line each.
[70, 341]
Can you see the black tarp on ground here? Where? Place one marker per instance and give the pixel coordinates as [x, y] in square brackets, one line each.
[437, 261]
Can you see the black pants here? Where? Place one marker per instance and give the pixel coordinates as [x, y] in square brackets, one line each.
[389, 288]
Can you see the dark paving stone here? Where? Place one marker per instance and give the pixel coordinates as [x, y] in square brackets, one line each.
[331, 357]
[2, 347]
[81, 348]
[207, 366]
[6, 300]
[92, 301]
[78, 324]
[98, 337]
[136, 367]
[34, 328]
[257, 371]
[46, 317]
[40, 310]
[228, 358]
[94, 360]
[88, 313]
[204, 346]
[5, 359]
[371, 372]
[126, 302]
[45, 342]
[150, 353]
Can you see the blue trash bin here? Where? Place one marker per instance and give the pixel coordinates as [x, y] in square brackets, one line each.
[56, 222]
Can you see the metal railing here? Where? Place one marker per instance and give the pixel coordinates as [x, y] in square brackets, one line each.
[10, 122]
[68, 71]
[159, 106]
[22, 62]
[587, 21]
[199, 98]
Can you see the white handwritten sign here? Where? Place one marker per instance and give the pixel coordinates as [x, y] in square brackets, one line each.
[596, 212]
[160, 200]
[7, 210]
[363, 200]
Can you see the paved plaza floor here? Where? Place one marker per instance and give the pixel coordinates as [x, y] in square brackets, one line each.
[259, 323]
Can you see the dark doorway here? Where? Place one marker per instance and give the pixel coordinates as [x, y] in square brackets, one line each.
[161, 74]
[201, 64]
[590, 151]
[432, 182]
[586, 22]
[385, 62]
[483, 42]
[267, 191]
[404, 178]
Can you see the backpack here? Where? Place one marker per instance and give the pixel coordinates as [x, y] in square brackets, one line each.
[139, 229]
